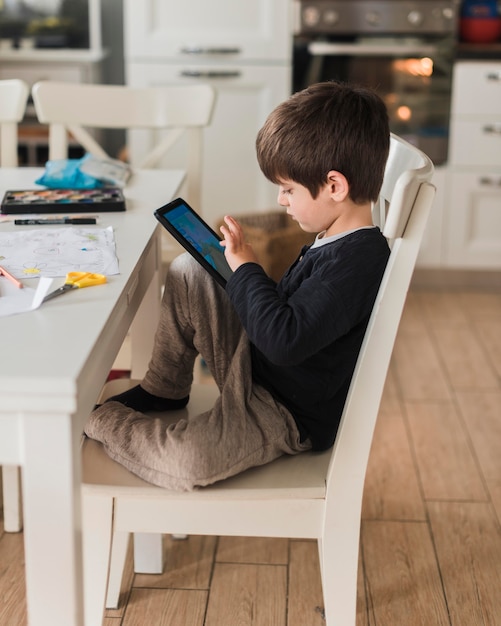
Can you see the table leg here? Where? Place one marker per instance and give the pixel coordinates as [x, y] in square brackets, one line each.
[52, 521]
[148, 553]
[143, 328]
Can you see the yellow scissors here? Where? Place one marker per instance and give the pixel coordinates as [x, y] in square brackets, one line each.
[75, 280]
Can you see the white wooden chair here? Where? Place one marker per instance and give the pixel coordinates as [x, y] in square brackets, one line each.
[312, 495]
[13, 99]
[167, 113]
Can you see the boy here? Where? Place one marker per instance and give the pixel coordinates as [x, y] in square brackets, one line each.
[281, 354]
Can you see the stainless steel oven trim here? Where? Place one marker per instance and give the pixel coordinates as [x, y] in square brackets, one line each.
[326, 48]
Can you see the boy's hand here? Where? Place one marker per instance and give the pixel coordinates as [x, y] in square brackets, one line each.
[237, 251]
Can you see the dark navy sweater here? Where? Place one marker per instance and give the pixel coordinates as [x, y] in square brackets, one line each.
[306, 331]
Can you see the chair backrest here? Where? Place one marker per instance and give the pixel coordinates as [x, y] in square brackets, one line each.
[171, 111]
[13, 98]
[406, 198]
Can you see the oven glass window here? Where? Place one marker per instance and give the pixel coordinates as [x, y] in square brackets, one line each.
[416, 88]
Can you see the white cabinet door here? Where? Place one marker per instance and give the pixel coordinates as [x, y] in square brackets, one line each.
[474, 221]
[213, 30]
[476, 88]
[232, 181]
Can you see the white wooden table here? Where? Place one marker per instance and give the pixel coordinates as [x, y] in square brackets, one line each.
[54, 363]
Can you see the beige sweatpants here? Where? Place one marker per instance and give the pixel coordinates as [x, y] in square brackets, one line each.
[245, 428]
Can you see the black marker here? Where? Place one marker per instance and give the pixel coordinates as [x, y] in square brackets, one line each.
[64, 220]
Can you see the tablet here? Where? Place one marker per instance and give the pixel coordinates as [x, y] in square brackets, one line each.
[197, 237]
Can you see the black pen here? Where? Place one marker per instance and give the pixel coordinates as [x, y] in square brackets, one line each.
[63, 220]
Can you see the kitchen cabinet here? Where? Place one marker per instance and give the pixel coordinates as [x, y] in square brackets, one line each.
[235, 32]
[243, 49]
[473, 216]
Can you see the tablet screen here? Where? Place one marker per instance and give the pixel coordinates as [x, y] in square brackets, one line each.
[196, 237]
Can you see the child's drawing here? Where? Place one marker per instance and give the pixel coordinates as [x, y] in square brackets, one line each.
[55, 252]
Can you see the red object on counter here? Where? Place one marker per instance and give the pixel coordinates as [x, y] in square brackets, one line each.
[480, 30]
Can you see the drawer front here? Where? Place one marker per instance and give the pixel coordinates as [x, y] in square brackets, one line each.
[474, 221]
[476, 142]
[33, 73]
[476, 88]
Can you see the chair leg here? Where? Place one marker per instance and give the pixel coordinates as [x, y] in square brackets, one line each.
[339, 568]
[12, 507]
[148, 553]
[119, 546]
[97, 515]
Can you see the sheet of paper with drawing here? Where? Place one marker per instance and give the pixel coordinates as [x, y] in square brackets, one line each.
[54, 252]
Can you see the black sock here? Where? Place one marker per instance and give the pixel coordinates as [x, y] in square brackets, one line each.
[139, 399]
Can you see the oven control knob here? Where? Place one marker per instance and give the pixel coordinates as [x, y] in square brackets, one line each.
[311, 16]
[330, 17]
[415, 18]
[373, 18]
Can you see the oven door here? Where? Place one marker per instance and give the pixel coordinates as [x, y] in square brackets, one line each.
[412, 76]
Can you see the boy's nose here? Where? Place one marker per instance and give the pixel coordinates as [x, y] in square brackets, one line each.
[282, 199]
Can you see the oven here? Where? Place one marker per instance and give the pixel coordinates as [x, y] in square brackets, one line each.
[404, 49]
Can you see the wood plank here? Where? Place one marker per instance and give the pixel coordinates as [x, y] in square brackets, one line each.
[266, 550]
[480, 304]
[247, 595]
[418, 368]
[487, 330]
[188, 564]
[12, 580]
[165, 607]
[481, 413]
[464, 358]
[306, 602]
[442, 307]
[468, 544]
[403, 580]
[391, 488]
[447, 468]
[494, 487]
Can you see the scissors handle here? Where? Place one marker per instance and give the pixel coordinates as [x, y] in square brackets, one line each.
[84, 279]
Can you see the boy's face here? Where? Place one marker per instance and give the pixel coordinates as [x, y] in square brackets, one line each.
[314, 215]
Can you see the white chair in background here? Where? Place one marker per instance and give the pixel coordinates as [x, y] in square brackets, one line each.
[13, 99]
[312, 495]
[78, 110]
[166, 117]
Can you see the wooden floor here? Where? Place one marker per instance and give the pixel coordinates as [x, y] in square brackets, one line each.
[431, 539]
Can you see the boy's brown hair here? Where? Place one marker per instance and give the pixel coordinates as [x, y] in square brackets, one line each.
[327, 126]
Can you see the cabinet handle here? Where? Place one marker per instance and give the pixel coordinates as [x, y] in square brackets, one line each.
[201, 50]
[210, 73]
[493, 129]
[494, 76]
[487, 181]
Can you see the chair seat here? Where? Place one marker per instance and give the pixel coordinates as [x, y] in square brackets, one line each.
[301, 476]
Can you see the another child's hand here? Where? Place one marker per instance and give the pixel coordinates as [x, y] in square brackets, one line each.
[237, 251]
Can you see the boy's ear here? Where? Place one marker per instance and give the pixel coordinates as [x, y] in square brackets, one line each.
[338, 185]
